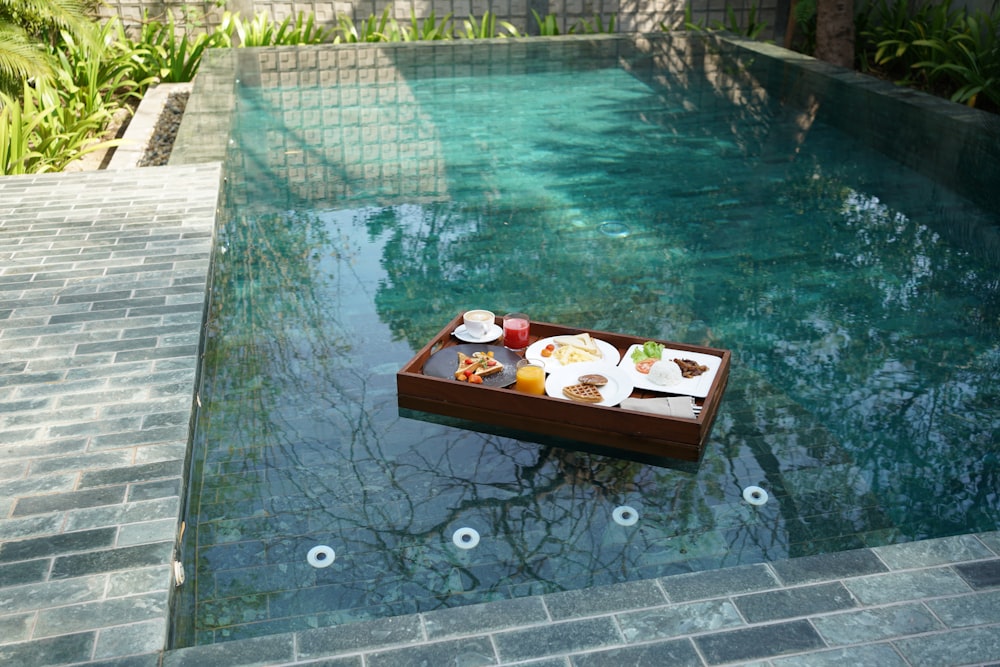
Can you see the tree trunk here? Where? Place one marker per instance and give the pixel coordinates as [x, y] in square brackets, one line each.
[835, 32]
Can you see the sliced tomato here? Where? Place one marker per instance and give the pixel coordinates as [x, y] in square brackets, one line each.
[475, 379]
[645, 365]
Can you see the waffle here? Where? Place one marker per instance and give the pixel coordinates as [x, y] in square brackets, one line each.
[583, 393]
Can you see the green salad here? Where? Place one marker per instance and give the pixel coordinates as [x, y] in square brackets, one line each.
[649, 350]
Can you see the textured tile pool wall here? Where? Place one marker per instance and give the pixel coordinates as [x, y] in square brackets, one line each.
[308, 176]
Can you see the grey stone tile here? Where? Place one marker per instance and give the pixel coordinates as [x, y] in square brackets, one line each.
[15, 529]
[557, 638]
[789, 603]
[94, 295]
[54, 545]
[958, 647]
[112, 559]
[63, 501]
[365, 636]
[125, 640]
[16, 627]
[468, 652]
[932, 552]
[136, 438]
[157, 353]
[24, 572]
[481, 618]
[64, 650]
[140, 580]
[147, 660]
[676, 653]
[603, 600]
[41, 484]
[909, 585]
[258, 652]
[981, 575]
[146, 532]
[40, 448]
[131, 474]
[117, 345]
[96, 427]
[133, 512]
[866, 625]
[103, 614]
[991, 540]
[758, 642]
[880, 655]
[966, 610]
[680, 619]
[825, 567]
[53, 593]
[718, 583]
[79, 462]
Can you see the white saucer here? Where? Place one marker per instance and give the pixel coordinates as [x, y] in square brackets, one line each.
[462, 334]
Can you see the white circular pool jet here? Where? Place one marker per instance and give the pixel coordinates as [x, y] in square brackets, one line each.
[624, 515]
[755, 495]
[321, 556]
[465, 538]
[615, 229]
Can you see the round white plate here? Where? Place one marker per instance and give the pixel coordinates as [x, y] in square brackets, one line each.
[617, 389]
[609, 354]
[462, 333]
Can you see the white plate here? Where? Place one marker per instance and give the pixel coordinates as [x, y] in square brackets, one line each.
[696, 386]
[462, 333]
[617, 389]
[609, 355]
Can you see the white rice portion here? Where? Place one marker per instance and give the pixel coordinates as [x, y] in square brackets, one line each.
[665, 373]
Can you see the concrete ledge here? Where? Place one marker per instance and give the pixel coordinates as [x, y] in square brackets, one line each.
[140, 129]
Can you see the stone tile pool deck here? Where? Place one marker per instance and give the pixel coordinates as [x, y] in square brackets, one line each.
[102, 288]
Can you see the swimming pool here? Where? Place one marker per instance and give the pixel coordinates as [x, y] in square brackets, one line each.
[662, 187]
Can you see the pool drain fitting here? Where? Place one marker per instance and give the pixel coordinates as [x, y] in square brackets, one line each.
[615, 229]
[321, 556]
[755, 495]
[625, 515]
[465, 538]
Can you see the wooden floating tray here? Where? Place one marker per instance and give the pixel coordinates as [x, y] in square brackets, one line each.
[614, 427]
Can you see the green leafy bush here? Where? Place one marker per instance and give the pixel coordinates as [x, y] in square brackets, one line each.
[934, 47]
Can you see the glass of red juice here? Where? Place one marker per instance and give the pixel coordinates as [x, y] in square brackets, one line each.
[515, 331]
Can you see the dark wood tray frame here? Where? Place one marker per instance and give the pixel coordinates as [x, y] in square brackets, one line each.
[614, 427]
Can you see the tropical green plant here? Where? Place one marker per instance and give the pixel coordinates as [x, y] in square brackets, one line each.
[263, 31]
[18, 155]
[98, 79]
[38, 133]
[159, 53]
[935, 47]
[27, 25]
[487, 28]
[751, 28]
[548, 26]
[594, 27]
[372, 29]
[429, 29]
[969, 59]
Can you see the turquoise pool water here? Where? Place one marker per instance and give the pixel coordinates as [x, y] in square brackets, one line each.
[858, 297]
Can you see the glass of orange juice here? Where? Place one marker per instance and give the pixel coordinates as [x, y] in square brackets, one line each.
[530, 377]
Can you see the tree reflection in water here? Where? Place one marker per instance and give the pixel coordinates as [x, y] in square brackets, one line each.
[862, 395]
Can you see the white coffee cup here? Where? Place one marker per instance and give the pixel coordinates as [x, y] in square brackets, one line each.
[478, 322]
